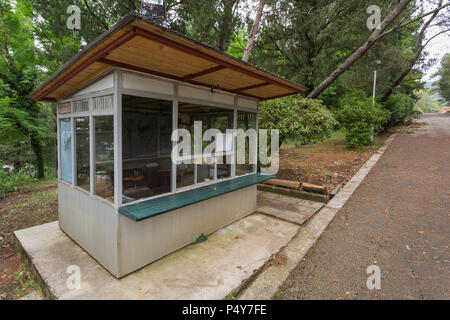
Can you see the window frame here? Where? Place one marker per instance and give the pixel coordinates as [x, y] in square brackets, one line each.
[91, 114]
[117, 92]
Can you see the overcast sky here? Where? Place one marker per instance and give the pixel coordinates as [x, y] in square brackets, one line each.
[438, 46]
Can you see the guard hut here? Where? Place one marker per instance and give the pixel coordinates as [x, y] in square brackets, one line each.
[118, 100]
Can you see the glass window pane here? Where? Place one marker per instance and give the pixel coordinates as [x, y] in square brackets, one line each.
[104, 157]
[82, 152]
[211, 118]
[146, 147]
[223, 120]
[246, 121]
[65, 140]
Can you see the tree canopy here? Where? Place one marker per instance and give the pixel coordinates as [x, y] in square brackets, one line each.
[444, 81]
[306, 41]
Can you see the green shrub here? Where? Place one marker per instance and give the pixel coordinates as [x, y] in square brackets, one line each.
[306, 119]
[10, 181]
[360, 120]
[400, 107]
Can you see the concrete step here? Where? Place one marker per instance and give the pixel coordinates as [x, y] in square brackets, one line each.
[291, 209]
[208, 270]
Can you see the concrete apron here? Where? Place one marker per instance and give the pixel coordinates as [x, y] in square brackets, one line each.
[273, 275]
[209, 270]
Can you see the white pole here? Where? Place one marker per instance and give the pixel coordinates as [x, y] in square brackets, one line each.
[374, 86]
[118, 192]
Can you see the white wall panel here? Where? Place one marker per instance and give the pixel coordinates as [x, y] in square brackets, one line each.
[206, 95]
[141, 83]
[146, 241]
[103, 84]
[247, 103]
[91, 223]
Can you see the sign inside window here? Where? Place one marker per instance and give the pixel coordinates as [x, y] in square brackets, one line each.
[224, 142]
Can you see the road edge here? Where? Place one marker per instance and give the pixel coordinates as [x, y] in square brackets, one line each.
[269, 280]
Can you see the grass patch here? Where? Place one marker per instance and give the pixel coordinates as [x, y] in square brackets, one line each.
[404, 131]
[277, 296]
[23, 277]
[36, 185]
[38, 209]
[41, 206]
[336, 139]
[200, 239]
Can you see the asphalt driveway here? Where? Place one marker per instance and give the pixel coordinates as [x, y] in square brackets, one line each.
[398, 219]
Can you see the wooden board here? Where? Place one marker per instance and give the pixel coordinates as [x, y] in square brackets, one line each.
[139, 44]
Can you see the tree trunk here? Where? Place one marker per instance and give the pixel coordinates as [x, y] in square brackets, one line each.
[255, 28]
[376, 35]
[420, 46]
[226, 25]
[37, 150]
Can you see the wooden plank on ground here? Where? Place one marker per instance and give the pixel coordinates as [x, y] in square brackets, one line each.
[284, 183]
[309, 187]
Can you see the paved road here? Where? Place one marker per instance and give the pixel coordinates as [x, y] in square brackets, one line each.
[398, 219]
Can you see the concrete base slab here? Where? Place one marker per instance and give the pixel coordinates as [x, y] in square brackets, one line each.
[209, 270]
[287, 208]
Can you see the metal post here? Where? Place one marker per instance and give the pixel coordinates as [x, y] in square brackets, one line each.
[118, 138]
[234, 144]
[173, 175]
[58, 145]
[92, 154]
[255, 166]
[374, 86]
[74, 150]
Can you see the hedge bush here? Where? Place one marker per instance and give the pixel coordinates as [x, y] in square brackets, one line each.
[307, 119]
[10, 181]
[400, 107]
[361, 119]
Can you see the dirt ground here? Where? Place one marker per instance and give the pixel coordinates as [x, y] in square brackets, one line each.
[328, 163]
[20, 210]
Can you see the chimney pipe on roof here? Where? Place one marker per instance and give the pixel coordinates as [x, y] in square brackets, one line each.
[154, 10]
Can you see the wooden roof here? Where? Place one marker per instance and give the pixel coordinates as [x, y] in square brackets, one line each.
[137, 44]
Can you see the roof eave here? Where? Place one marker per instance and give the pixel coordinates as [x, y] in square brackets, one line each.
[41, 93]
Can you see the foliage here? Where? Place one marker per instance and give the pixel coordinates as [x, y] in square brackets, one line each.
[400, 106]
[20, 115]
[360, 119]
[299, 40]
[48, 19]
[24, 278]
[211, 22]
[306, 40]
[10, 181]
[237, 44]
[307, 119]
[428, 101]
[444, 81]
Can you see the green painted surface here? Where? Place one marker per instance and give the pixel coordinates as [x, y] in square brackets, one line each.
[150, 208]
